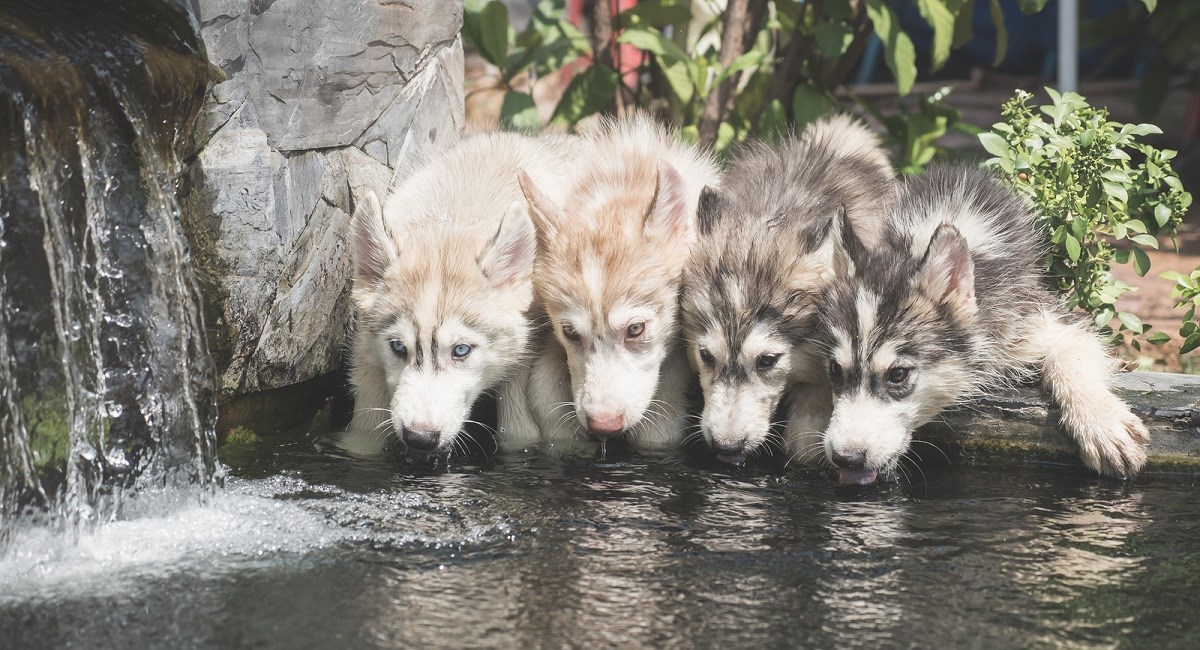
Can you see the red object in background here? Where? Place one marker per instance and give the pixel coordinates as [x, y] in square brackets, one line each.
[626, 57]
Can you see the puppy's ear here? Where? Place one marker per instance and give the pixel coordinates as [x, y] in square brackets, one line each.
[543, 211]
[947, 273]
[668, 209]
[374, 249]
[710, 209]
[848, 250]
[508, 258]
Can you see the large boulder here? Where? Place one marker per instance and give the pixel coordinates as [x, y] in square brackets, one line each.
[316, 101]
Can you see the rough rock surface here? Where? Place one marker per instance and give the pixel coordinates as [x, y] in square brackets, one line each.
[1018, 424]
[317, 99]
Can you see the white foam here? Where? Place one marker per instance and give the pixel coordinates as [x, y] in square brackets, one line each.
[161, 534]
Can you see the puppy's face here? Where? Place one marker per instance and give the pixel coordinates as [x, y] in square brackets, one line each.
[750, 294]
[608, 275]
[898, 334]
[443, 315]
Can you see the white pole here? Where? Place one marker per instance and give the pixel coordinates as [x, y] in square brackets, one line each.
[1068, 45]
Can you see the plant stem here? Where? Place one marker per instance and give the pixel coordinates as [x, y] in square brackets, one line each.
[736, 29]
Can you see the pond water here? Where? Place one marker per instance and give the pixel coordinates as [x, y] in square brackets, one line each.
[310, 546]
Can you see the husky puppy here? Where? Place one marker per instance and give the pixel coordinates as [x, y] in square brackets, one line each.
[608, 271]
[443, 286]
[953, 304]
[751, 288]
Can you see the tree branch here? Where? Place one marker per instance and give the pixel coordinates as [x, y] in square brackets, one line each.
[737, 31]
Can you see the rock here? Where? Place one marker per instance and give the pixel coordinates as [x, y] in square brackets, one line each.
[316, 101]
[1018, 424]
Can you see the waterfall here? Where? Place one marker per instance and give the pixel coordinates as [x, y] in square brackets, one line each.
[106, 385]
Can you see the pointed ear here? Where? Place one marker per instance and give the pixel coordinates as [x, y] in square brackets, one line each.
[373, 247]
[848, 250]
[508, 258]
[543, 211]
[668, 209]
[947, 273]
[710, 209]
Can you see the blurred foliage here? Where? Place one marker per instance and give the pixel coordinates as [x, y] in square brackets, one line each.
[794, 56]
[1101, 194]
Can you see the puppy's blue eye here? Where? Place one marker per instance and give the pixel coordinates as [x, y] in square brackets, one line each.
[460, 351]
[399, 348]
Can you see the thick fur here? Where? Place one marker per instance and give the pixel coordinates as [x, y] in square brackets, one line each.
[753, 283]
[609, 259]
[954, 304]
[447, 260]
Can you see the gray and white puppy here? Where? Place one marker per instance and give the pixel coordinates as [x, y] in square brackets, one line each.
[761, 262]
[952, 304]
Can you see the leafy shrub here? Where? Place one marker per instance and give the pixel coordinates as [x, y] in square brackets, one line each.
[1101, 195]
[761, 67]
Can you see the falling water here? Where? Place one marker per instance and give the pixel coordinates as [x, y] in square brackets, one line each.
[105, 380]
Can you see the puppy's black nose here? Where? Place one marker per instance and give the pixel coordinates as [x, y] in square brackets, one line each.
[729, 447]
[421, 439]
[852, 460]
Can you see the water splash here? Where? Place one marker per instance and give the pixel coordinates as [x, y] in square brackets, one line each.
[105, 380]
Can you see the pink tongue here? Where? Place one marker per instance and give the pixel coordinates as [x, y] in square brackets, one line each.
[856, 476]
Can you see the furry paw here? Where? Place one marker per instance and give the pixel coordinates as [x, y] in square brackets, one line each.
[1113, 445]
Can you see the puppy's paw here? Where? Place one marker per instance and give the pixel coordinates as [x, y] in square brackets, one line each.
[1113, 442]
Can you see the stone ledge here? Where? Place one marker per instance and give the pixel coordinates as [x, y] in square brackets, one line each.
[1018, 424]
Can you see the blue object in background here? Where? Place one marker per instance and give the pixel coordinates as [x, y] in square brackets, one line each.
[1032, 42]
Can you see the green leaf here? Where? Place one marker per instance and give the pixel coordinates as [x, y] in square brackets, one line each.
[654, 13]
[1145, 240]
[1131, 322]
[487, 31]
[518, 112]
[997, 14]
[942, 21]
[1031, 7]
[747, 60]
[964, 30]
[898, 49]
[1158, 338]
[994, 144]
[1150, 5]
[832, 39]
[652, 40]
[1162, 214]
[589, 93]
[1141, 262]
[809, 103]
[1191, 343]
[1072, 246]
[678, 77]
[773, 123]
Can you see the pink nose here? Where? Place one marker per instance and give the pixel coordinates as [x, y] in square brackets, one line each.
[606, 425]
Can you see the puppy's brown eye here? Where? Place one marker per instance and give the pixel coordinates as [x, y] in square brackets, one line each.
[766, 361]
[897, 375]
[570, 333]
[635, 330]
[707, 357]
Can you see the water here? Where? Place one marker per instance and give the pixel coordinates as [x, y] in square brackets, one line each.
[309, 546]
[105, 380]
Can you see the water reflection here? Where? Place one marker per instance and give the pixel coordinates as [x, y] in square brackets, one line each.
[535, 548]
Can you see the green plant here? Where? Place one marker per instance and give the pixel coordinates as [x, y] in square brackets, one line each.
[914, 133]
[1102, 196]
[761, 67]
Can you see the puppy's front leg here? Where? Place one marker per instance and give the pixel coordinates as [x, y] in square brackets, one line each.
[1075, 370]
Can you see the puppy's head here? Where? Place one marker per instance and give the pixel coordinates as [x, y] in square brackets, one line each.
[441, 314]
[899, 335]
[750, 295]
[608, 275]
